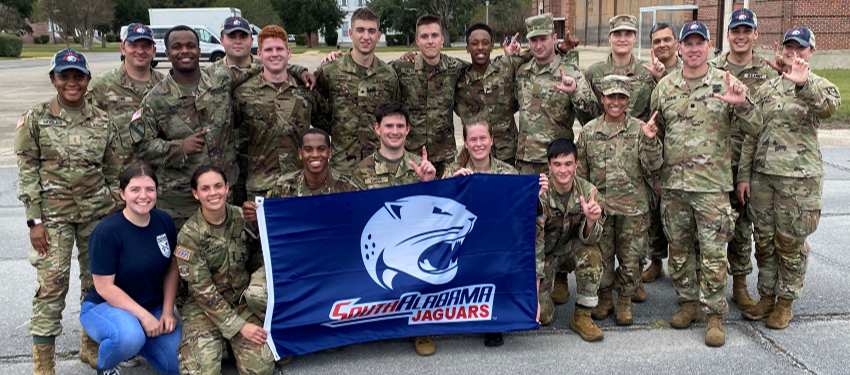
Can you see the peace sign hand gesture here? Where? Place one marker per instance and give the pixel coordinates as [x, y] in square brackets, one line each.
[567, 85]
[649, 128]
[657, 69]
[592, 211]
[778, 64]
[513, 48]
[799, 71]
[425, 170]
[569, 43]
[735, 92]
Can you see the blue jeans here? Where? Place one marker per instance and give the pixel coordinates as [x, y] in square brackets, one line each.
[121, 336]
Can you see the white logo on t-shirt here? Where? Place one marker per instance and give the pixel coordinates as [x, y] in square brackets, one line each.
[162, 241]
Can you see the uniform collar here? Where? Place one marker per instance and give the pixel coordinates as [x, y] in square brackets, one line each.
[327, 186]
[54, 108]
[551, 67]
[289, 82]
[127, 82]
[177, 93]
[493, 167]
[473, 76]
[756, 62]
[609, 129]
[350, 66]
[679, 79]
[556, 203]
[419, 63]
[630, 67]
[382, 168]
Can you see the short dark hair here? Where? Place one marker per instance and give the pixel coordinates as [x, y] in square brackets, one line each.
[204, 169]
[392, 109]
[314, 131]
[181, 28]
[427, 19]
[561, 147]
[364, 14]
[137, 169]
[479, 26]
[661, 26]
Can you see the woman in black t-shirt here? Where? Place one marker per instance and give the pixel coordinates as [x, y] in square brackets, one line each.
[130, 310]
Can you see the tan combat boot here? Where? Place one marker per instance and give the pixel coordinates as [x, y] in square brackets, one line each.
[582, 324]
[88, 350]
[714, 335]
[605, 306]
[761, 310]
[687, 315]
[42, 358]
[640, 294]
[624, 310]
[781, 315]
[424, 345]
[561, 291]
[655, 271]
[740, 294]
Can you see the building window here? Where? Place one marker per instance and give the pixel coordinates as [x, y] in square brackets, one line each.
[360, 3]
[343, 3]
[345, 29]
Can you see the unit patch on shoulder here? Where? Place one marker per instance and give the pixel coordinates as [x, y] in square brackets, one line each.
[831, 90]
[21, 122]
[183, 253]
[137, 115]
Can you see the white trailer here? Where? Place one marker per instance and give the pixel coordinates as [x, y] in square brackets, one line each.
[212, 18]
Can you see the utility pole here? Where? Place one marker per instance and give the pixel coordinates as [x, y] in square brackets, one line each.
[487, 3]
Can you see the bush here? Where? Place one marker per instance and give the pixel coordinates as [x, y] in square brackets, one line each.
[453, 36]
[331, 38]
[399, 39]
[76, 40]
[111, 38]
[300, 40]
[10, 45]
[44, 39]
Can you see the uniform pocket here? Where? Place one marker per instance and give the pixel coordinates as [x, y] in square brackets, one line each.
[807, 217]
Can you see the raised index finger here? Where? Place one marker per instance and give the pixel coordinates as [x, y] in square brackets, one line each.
[593, 195]
[513, 40]
[652, 119]
[424, 154]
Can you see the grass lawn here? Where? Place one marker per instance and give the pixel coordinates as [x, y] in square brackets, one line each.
[840, 78]
[48, 50]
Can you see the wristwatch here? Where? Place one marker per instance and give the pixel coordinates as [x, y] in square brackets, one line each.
[33, 222]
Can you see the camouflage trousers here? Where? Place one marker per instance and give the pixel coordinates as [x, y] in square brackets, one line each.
[54, 274]
[785, 212]
[256, 294]
[740, 248]
[656, 240]
[202, 346]
[625, 238]
[707, 219]
[524, 167]
[586, 260]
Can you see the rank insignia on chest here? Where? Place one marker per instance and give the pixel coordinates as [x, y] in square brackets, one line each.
[74, 139]
[183, 253]
[21, 122]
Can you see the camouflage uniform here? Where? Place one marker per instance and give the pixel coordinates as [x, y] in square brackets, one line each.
[373, 172]
[740, 249]
[167, 117]
[785, 169]
[496, 167]
[642, 84]
[696, 178]
[560, 235]
[429, 92]
[615, 158]
[68, 177]
[115, 93]
[290, 185]
[354, 92]
[212, 260]
[270, 122]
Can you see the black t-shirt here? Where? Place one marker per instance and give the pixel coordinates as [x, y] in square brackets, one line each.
[138, 257]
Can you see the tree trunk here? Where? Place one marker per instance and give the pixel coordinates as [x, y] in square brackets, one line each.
[309, 39]
[103, 40]
[446, 37]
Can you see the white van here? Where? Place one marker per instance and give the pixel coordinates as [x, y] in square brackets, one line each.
[211, 48]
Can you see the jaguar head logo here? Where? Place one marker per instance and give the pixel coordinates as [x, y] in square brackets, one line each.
[419, 236]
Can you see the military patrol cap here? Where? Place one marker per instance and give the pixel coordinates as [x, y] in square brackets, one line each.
[69, 59]
[614, 84]
[540, 25]
[623, 22]
[232, 24]
[802, 35]
[694, 27]
[137, 31]
[743, 17]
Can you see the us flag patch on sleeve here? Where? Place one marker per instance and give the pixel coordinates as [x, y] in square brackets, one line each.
[21, 122]
[137, 115]
[541, 219]
[183, 253]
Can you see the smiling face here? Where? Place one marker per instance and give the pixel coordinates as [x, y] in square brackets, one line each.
[543, 47]
[392, 131]
[479, 46]
[138, 54]
[664, 44]
[237, 44]
[315, 153]
[792, 46]
[140, 195]
[211, 191]
[694, 50]
[71, 85]
[274, 55]
[622, 41]
[742, 38]
[429, 38]
[615, 105]
[563, 170]
[183, 51]
[478, 142]
[364, 36]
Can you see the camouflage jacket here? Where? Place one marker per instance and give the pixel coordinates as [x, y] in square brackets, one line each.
[167, 117]
[429, 93]
[695, 128]
[546, 113]
[272, 121]
[490, 94]
[213, 261]
[222, 63]
[615, 158]
[67, 169]
[294, 185]
[353, 96]
[754, 75]
[558, 224]
[642, 84]
[674, 68]
[115, 93]
[496, 167]
[788, 142]
[373, 172]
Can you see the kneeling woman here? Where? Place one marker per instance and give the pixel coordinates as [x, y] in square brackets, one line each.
[212, 254]
[130, 310]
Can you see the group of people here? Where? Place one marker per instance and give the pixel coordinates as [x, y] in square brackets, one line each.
[684, 154]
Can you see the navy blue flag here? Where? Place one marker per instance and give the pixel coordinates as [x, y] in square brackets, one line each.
[442, 257]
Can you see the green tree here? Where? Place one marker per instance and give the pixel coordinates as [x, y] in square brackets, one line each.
[309, 16]
[394, 16]
[258, 12]
[24, 7]
[130, 11]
